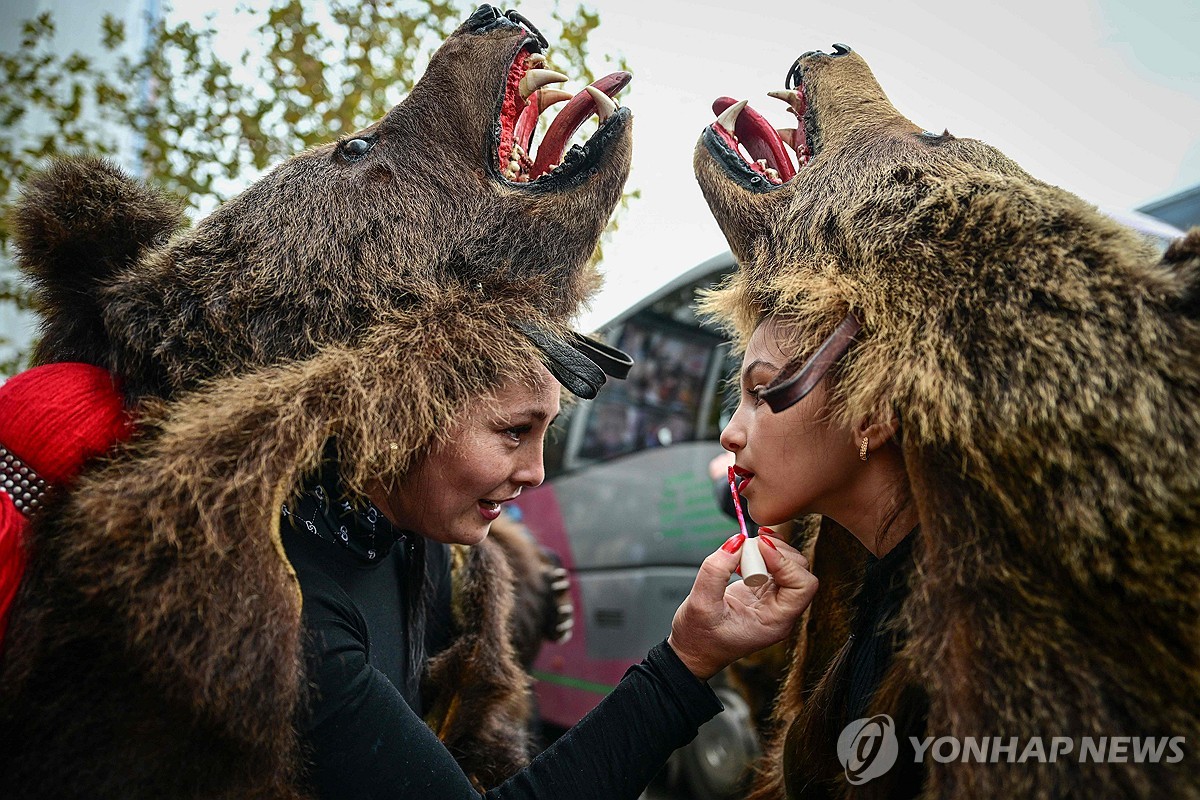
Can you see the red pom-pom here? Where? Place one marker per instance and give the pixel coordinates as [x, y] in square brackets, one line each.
[57, 416]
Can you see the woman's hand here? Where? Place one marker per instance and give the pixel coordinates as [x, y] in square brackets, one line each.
[720, 622]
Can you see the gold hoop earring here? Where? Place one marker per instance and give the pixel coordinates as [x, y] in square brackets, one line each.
[862, 448]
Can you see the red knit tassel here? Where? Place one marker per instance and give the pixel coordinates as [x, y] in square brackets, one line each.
[12, 557]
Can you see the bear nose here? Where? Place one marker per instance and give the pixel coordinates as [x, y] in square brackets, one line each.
[482, 16]
[529, 26]
[838, 50]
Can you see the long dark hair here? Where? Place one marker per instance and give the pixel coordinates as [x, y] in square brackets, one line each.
[418, 588]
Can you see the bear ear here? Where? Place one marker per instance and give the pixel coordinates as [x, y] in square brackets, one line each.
[76, 225]
[1183, 259]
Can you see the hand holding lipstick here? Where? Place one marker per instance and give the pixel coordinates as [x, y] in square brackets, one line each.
[720, 622]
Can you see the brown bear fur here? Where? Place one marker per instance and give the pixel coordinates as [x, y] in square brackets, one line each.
[485, 746]
[154, 647]
[501, 586]
[541, 590]
[1044, 362]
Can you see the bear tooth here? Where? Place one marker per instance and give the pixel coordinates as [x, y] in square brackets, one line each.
[604, 104]
[548, 97]
[796, 102]
[728, 118]
[786, 136]
[535, 60]
[537, 78]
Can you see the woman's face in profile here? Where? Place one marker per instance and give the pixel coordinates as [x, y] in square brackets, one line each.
[797, 461]
[490, 455]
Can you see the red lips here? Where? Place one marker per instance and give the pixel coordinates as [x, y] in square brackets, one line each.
[744, 477]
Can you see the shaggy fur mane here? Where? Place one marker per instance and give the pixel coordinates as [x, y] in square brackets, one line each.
[1045, 364]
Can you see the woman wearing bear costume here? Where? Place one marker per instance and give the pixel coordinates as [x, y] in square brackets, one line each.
[802, 460]
[366, 735]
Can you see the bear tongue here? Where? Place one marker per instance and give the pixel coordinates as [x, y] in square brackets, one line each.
[526, 122]
[570, 118]
[759, 137]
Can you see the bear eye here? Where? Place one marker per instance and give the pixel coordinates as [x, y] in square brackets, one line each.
[356, 148]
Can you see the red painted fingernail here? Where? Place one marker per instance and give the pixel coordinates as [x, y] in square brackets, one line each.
[771, 543]
[764, 529]
[733, 543]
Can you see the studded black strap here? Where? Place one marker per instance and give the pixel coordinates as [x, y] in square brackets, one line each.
[19, 481]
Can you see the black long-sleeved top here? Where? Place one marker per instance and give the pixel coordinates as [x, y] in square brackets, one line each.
[876, 639]
[364, 737]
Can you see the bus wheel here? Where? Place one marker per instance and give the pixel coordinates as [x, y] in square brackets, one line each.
[716, 765]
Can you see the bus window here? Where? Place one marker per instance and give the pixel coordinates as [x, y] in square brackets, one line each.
[659, 404]
[554, 448]
[727, 389]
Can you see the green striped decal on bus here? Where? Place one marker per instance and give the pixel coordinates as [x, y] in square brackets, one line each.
[572, 683]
